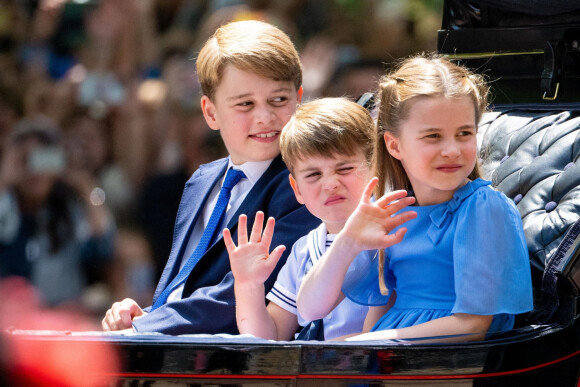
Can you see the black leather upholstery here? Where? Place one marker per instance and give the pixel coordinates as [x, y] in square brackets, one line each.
[532, 154]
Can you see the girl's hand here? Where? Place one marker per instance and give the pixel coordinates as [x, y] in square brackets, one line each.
[251, 261]
[367, 228]
[370, 224]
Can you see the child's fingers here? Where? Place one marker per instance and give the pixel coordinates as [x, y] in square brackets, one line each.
[398, 205]
[368, 191]
[397, 237]
[228, 241]
[256, 235]
[276, 254]
[268, 231]
[242, 230]
[397, 220]
[387, 199]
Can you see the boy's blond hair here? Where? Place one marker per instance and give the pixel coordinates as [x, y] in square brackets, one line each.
[327, 127]
[252, 46]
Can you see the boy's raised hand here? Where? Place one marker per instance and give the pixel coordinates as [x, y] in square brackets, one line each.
[371, 223]
[251, 261]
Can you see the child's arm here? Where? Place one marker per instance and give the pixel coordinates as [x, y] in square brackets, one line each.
[373, 315]
[367, 228]
[286, 322]
[376, 312]
[465, 327]
[251, 265]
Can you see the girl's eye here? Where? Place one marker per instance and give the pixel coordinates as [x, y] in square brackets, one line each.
[432, 136]
[244, 104]
[466, 133]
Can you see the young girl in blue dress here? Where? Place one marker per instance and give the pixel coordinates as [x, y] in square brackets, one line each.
[462, 269]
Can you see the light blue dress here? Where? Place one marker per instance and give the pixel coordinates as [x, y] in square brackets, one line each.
[466, 255]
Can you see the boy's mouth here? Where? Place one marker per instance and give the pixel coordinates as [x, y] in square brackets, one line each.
[334, 200]
[266, 137]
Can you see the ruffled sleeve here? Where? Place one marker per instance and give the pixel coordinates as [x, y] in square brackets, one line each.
[361, 283]
[491, 262]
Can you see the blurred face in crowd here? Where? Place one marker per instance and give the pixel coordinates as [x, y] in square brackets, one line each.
[39, 167]
[88, 148]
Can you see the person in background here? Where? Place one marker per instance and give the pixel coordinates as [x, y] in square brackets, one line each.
[89, 152]
[54, 226]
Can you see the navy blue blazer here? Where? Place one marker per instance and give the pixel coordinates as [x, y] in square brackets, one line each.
[208, 302]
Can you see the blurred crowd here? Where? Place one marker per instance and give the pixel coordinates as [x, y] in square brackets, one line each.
[100, 124]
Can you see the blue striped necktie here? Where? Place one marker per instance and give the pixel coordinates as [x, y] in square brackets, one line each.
[216, 219]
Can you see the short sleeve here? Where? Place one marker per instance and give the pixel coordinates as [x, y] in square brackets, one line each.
[491, 262]
[361, 282]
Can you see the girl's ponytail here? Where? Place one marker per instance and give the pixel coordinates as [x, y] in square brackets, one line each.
[387, 100]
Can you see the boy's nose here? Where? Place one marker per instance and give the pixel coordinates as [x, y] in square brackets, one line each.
[264, 115]
[330, 182]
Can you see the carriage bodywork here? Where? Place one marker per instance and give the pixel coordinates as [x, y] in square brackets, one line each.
[530, 149]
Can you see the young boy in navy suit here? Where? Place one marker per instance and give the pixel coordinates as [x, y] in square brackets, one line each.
[251, 78]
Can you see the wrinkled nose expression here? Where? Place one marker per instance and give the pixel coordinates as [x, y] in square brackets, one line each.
[330, 183]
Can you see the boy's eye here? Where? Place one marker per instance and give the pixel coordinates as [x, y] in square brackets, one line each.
[244, 104]
[312, 175]
[345, 170]
[279, 100]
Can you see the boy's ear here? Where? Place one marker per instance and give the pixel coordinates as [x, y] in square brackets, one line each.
[392, 145]
[294, 186]
[209, 112]
[300, 93]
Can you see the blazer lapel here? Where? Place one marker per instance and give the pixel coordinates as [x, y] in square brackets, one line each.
[195, 195]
